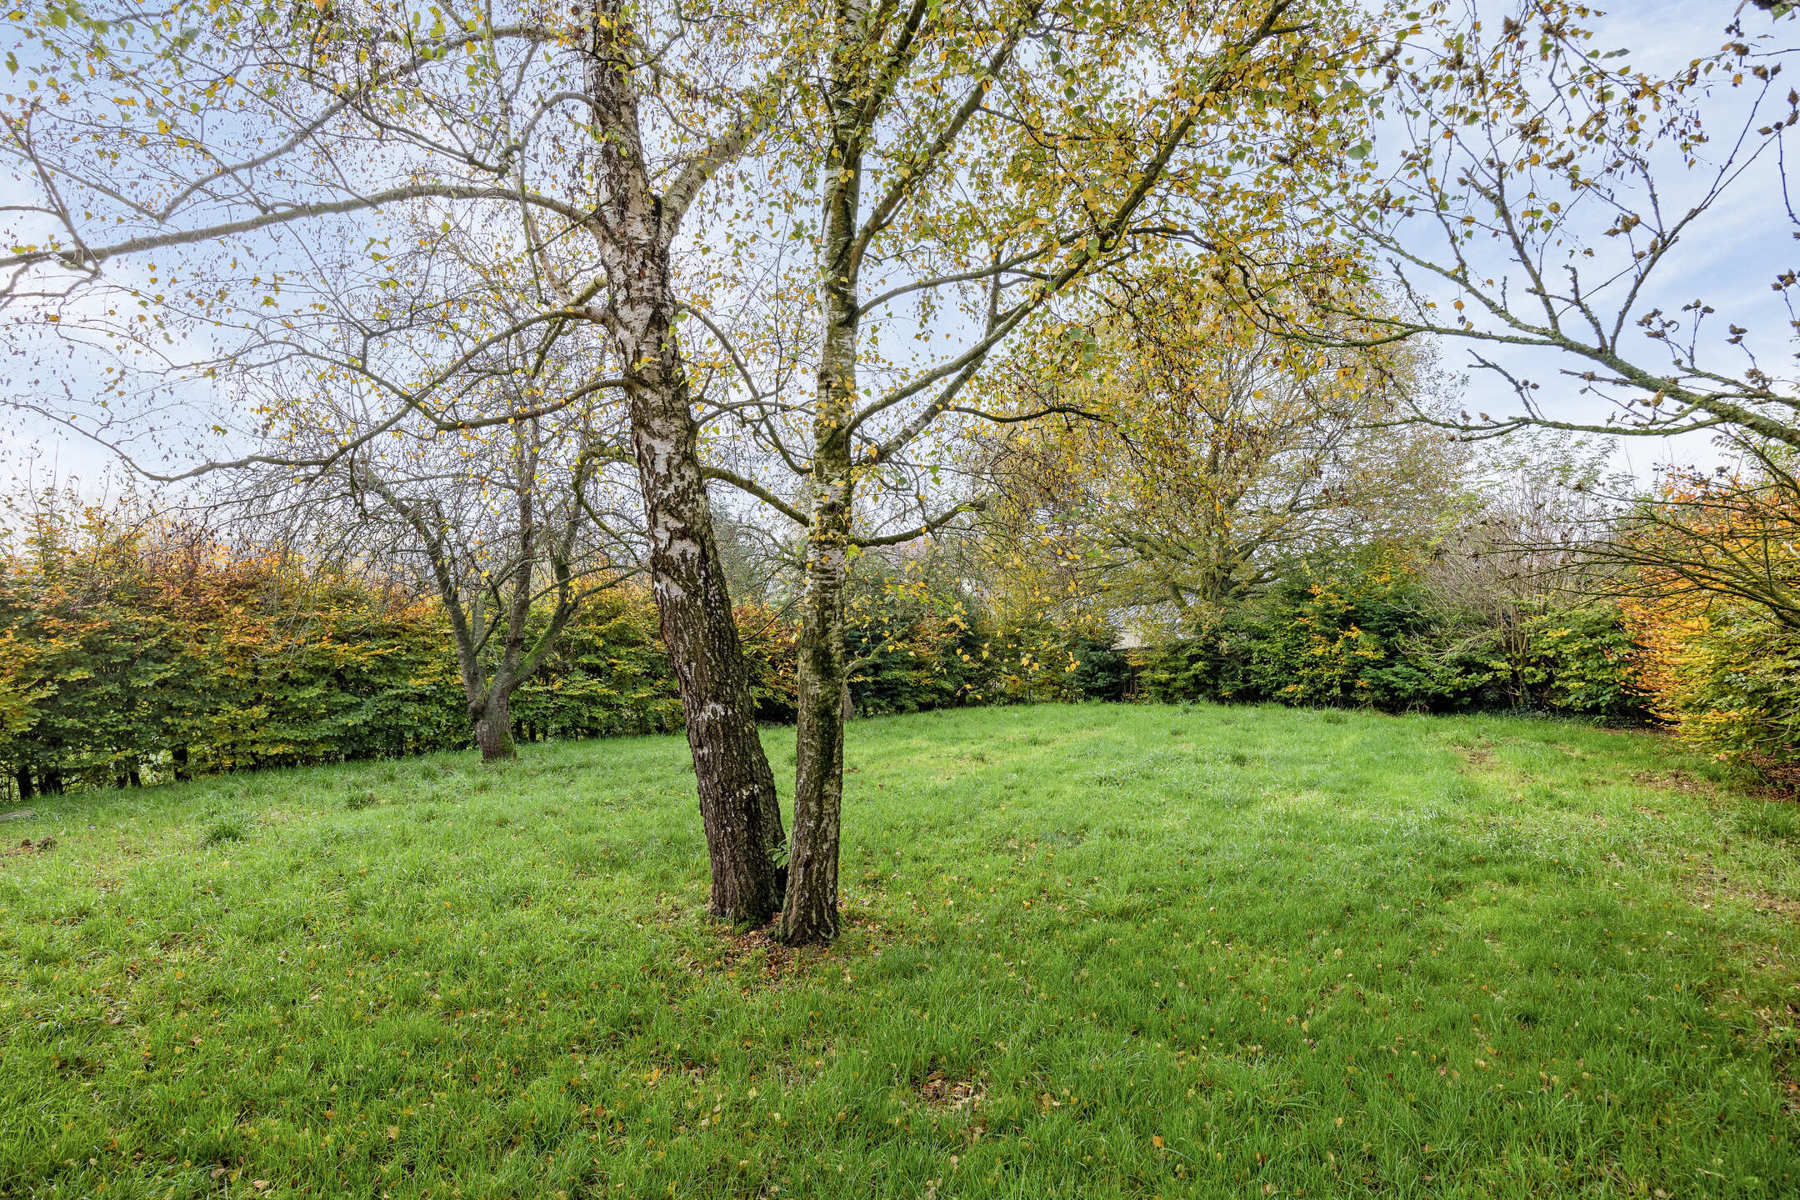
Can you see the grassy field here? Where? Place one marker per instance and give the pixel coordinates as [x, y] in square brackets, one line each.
[1090, 951]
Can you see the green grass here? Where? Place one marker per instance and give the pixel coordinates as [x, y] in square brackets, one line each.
[1090, 951]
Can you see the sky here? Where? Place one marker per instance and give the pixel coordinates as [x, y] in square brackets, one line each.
[1727, 261]
[1729, 264]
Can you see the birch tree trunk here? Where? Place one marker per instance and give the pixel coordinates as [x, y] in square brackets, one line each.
[810, 914]
[633, 227]
[738, 806]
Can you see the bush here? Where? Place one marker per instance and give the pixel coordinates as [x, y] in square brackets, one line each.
[136, 652]
[1359, 637]
[911, 646]
[1579, 662]
[1727, 678]
[1101, 671]
[139, 651]
[608, 675]
[1370, 634]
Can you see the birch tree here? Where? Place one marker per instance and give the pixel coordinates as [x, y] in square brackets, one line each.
[972, 162]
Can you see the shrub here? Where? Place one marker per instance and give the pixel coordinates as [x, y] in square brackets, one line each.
[1579, 662]
[1370, 634]
[911, 645]
[1727, 678]
[1101, 670]
[608, 675]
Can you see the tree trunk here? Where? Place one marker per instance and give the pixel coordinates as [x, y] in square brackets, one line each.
[179, 756]
[23, 777]
[810, 915]
[738, 806]
[493, 729]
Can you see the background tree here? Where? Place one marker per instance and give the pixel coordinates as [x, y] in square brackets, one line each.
[1729, 533]
[503, 522]
[1519, 570]
[316, 145]
[1530, 194]
[1206, 457]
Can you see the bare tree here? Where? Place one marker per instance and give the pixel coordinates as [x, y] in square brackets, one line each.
[1531, 195]
[261, 166]
[506, 522]
[1523, 546]
[1524, 194]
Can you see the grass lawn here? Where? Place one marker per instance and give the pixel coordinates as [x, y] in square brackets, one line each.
[1089, 951]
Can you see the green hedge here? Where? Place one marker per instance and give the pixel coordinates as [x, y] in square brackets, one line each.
[1374, 636]
[134, 654]
[128, 654]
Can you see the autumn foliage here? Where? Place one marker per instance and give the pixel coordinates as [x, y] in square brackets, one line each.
[136, 649]
[1711, 613]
